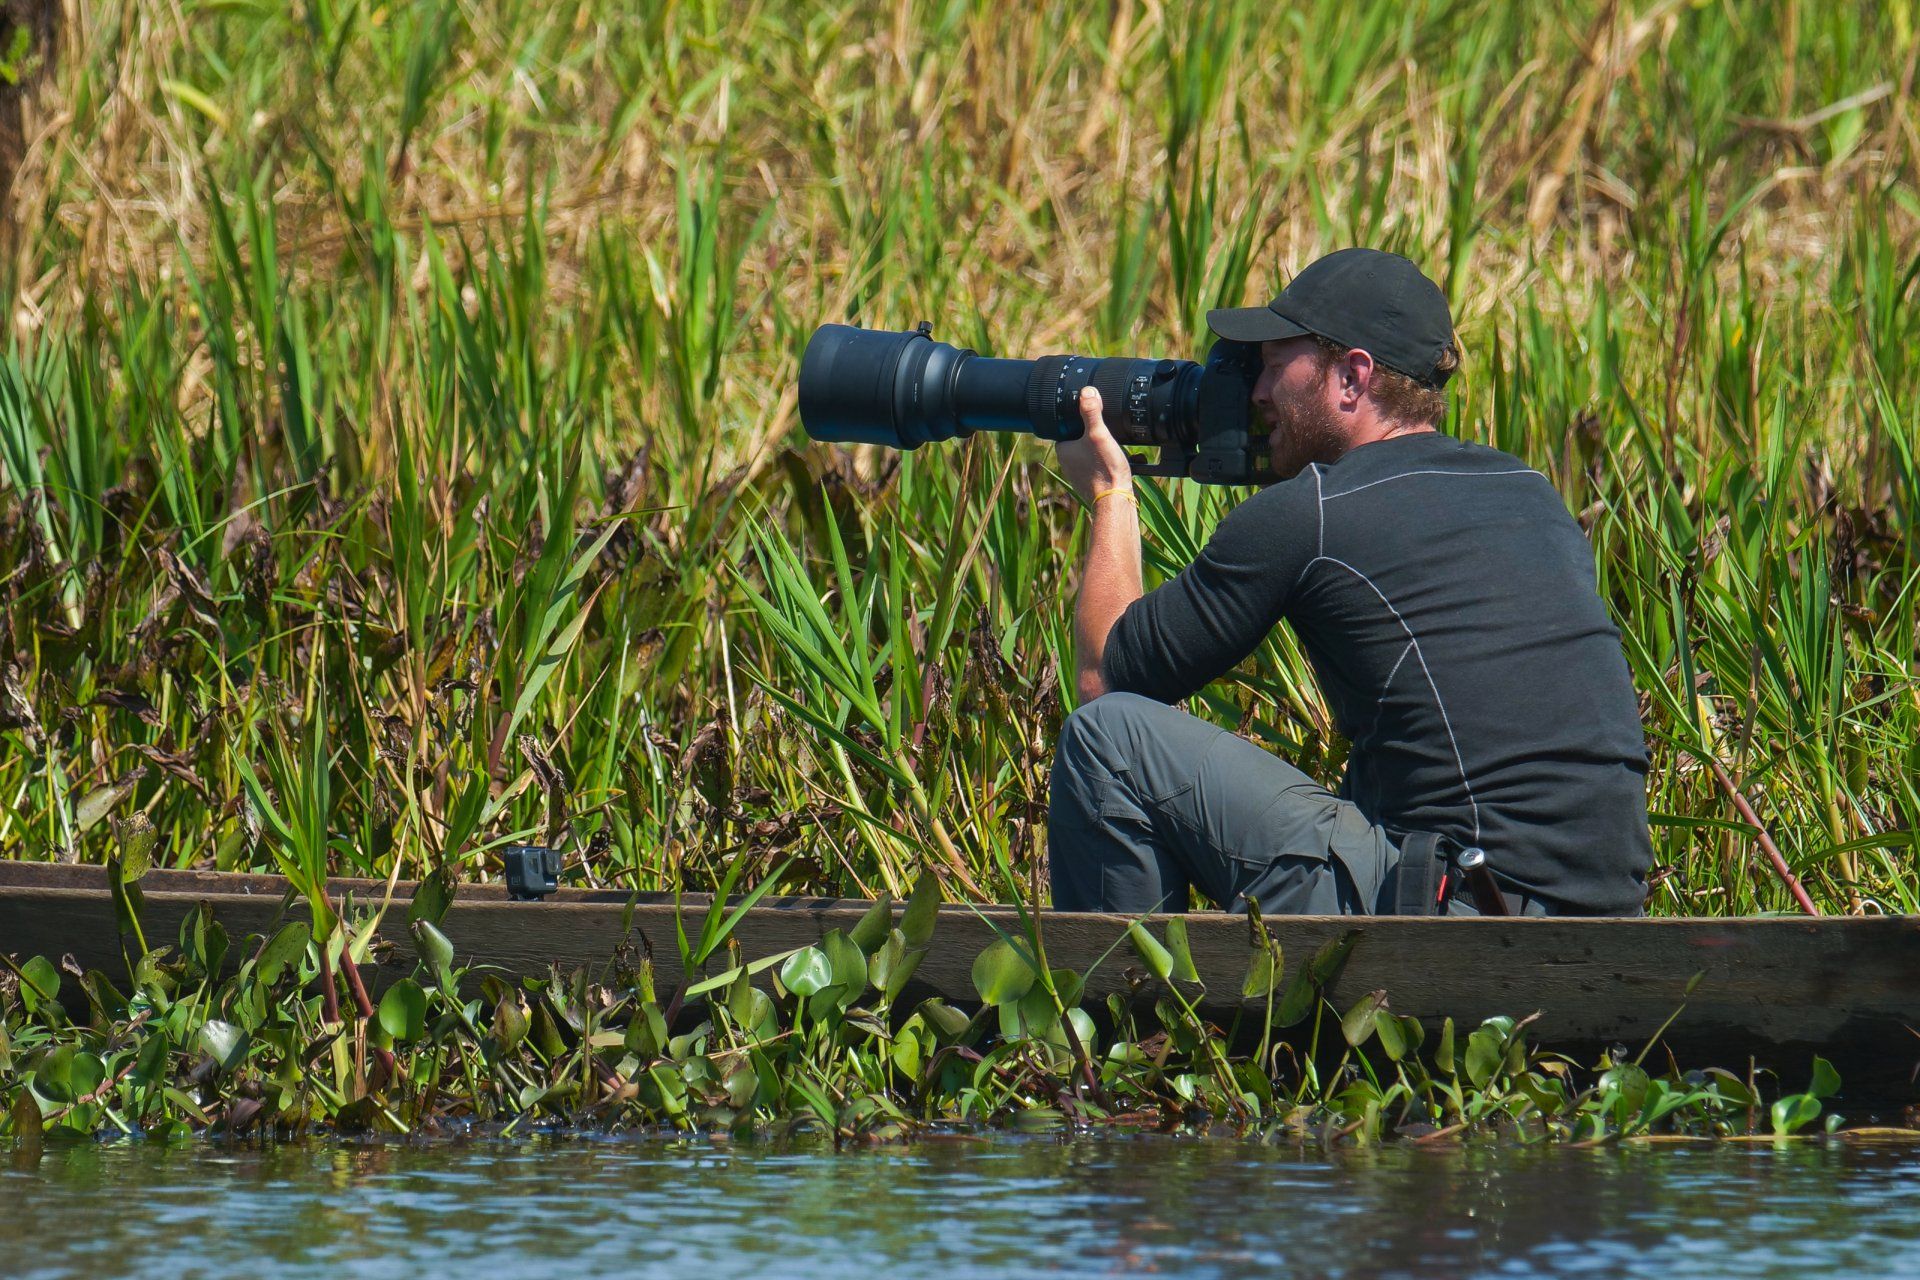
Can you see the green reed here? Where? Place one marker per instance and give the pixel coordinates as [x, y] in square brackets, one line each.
[398, 452]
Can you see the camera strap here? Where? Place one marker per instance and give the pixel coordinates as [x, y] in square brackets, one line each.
[1420, 881]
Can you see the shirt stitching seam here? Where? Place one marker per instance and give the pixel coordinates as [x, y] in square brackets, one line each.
[1374, 729]
[1320, 549]
[1413, 642]
[1328, 497]
[1320, 509]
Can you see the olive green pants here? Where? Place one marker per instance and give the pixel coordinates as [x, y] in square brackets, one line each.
[1147, 802]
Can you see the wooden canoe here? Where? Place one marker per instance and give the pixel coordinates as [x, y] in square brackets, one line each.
[1773, 990]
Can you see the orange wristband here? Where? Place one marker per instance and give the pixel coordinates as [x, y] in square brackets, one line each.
[1124, 492]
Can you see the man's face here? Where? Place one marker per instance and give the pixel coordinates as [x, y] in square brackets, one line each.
[1295, 397]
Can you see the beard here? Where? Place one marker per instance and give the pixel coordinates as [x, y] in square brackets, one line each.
[1301, 432]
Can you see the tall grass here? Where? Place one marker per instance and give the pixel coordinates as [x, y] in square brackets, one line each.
[404, 393]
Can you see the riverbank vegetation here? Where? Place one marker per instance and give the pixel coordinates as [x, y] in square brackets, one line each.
[278, 1035]
[398, 452]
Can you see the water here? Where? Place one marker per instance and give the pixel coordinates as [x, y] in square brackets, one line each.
[499, 1210]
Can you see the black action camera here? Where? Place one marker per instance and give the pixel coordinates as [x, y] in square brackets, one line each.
[532, 872]
[874, 386]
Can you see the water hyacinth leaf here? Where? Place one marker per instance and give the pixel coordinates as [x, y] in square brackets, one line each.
[1297, 1001]
[544, 1032]
[1393, 1035]
[751, 1008]
[203, 940]
[136, 837]
[403, 1010]
[1083, 1027]
[1486, 1050]
[435, 948]
[1794, 1112]
[946, 1021]
[1663, 1099]
[672, 1090]
[1627, 1082]
[68, 1074]
[1357, 1026]
[871, 932]
[922, 910]
[510, 1023]
[150, 1067]
[1001, 974]
[741, 1083]
[1331, 958]
[1826, 1080]
[1183, 967]
[1413, 1031]
[1038, 1015]
[893, 965]
[647, 1030]
[431, 898]
[1731, 1087]
[288, 944]
[1069, 986]
[225, 1043]
[806, 971]
[39, 984]
[847, 961]
[1545, 1092]
[1157, 958]
[1443, 1052]
[905, 1055]
[1263, 972]
[101, 801]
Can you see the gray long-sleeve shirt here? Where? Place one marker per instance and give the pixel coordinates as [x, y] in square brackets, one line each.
[1447, 602]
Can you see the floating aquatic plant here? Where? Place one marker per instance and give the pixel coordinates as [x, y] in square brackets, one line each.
[277, 1034]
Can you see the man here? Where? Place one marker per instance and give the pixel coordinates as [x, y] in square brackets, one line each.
[1447, 603]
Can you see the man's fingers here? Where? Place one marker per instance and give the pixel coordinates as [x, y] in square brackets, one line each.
[1089, 407]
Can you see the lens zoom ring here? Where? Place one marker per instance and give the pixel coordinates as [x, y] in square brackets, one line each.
[1110, 379]
[1043, 396]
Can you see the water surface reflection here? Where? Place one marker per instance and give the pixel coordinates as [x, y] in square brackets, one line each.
[947, 1209]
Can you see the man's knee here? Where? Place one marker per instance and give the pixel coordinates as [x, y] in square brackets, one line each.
[1101, 729]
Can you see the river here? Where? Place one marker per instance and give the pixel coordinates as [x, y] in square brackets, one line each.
[501, 1209]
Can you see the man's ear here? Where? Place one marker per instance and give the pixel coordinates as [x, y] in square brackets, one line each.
[1356, 375]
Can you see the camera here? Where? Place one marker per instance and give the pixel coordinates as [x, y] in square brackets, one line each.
[903, 389]
[531, 871]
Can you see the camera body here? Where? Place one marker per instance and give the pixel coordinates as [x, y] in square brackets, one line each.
[903, 389]
[530, 870]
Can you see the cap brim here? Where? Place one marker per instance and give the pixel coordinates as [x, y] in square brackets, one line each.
[1252, 324]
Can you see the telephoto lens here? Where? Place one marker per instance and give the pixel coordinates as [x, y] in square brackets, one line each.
[871, 386]
[877, 386]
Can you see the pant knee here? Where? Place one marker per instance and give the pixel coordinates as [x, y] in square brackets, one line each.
[1100, 729]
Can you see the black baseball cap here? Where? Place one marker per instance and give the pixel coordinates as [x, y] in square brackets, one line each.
[1379, 302]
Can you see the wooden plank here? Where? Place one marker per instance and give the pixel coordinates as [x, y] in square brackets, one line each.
[1778, 988]
[53, 875]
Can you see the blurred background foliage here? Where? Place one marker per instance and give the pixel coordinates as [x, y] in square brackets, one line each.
[398, 451]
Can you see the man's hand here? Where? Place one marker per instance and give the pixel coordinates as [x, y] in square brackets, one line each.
[1110, 579]
[1095, 462]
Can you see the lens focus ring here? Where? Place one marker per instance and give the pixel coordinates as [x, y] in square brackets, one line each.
[1043, 398]
[1123, 385]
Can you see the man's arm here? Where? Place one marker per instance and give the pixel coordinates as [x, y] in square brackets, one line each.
[1204, 621]
[1110, 578]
